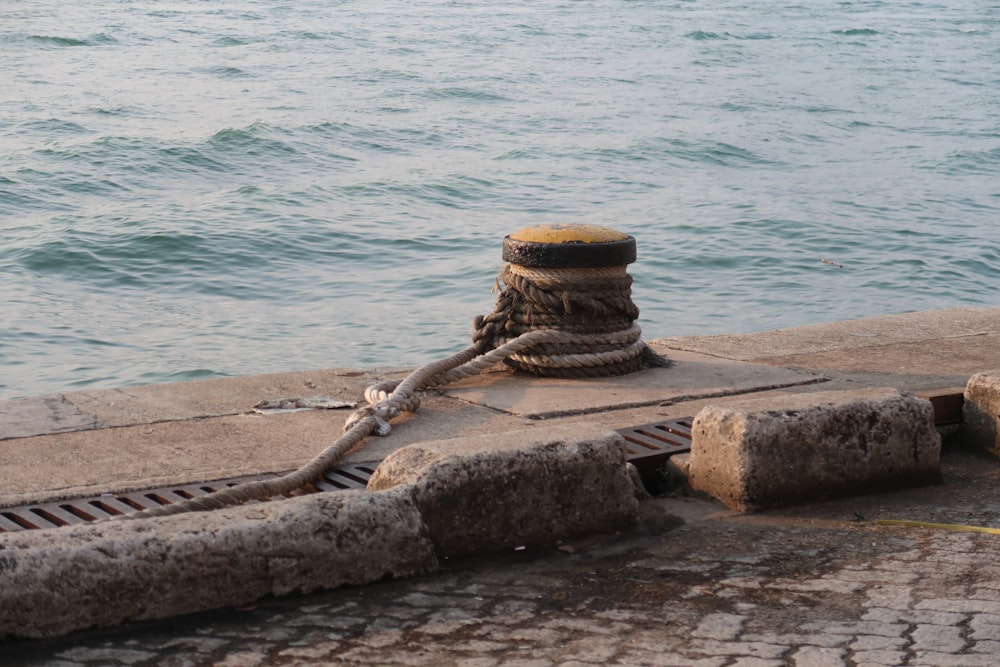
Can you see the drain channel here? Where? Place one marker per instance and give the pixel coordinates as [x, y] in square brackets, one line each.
[647, 447]
[81, 510]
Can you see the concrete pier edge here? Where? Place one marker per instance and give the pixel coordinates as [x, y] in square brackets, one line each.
[59, 580]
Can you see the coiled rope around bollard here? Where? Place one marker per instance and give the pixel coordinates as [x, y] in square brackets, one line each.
[562, 322]
[589, 302]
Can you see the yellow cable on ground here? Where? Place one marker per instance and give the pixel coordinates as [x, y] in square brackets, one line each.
[940, 526]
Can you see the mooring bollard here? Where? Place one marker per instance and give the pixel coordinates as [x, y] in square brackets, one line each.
[565, 311]
[570, 278]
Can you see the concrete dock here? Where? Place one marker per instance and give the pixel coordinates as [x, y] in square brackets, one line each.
[108, 442]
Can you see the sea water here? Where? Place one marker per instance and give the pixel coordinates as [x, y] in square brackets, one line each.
[201, 188]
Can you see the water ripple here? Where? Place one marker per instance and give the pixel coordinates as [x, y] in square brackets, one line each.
[194, 190]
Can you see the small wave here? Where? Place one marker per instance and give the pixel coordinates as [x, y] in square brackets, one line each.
[231, 41]
[227, 72]
[856, 32]
[704, 35]
[468, 94]
[53, 126]
[183, 376]
[111, 111]
[708, 152]
[51, 40]
[122, 261]
[98, 39]
[253, 140]
[974, 162]
[102, 38]
[963, 82]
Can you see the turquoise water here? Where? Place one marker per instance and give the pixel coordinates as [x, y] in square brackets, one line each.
[196, 189]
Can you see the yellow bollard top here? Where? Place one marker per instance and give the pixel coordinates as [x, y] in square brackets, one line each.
[568, 233]
[568, 246]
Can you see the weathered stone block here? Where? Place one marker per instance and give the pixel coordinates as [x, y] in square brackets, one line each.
[525, 487]
[772, 451]
[981, 411]
[63, 579]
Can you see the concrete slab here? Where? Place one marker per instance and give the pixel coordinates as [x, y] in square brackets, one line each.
[693, 376]
[81, 463]
[936, 325]
[137, 457]
[110, 408]
[216, 397]
[26, 417]
[914, 382]
[937, 360]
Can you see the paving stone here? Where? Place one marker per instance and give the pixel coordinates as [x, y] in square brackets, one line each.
[586, 626]
[880, 657]
[867, 576]
[242, 658]
[725, 627]
[815, 639]
[814, 656]
[932, 659]
[986, 648]
[657, 658]
[965, 606]
[305, 652]
[985, 627]
[890, 596]
[913, 616]
[878, 643]
[737, 648]
[744, 661]
[124, 656]
[939, 638]
[600, 650]
[859, 628]
[831, 585]
[480, 661]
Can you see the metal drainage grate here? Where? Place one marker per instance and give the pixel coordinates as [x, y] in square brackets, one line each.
[650, 445]
[646, 446]
[82, 510]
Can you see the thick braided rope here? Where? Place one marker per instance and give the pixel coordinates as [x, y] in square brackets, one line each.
[583, 301]
[551, 322]
[386, 401]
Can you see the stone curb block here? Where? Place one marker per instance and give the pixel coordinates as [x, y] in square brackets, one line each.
[453, 497]
[529, 487]
[768, 452]
[981, 411]
[59, 580]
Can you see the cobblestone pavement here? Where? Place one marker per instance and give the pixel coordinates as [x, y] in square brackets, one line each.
[693, 585]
